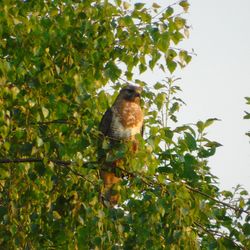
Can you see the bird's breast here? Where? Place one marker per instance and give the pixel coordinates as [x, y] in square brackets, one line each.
[127, 120]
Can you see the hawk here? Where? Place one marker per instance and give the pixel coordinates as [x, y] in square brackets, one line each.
[120, 123]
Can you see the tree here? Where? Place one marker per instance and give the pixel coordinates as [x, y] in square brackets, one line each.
[57, 59]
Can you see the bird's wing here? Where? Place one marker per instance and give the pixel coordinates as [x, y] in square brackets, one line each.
[142, 129]
[106, 122]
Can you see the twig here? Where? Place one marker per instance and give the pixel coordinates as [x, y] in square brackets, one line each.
[217, 233]
[134, 175]
[58, 162]
[52, 122]
[165, 8]
[78, 174]
[216, 200]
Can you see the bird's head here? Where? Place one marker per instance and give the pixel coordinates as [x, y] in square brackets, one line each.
[131, 93]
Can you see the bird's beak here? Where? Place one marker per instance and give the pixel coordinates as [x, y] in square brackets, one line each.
[138, 92]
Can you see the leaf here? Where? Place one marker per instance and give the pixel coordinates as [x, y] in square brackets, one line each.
[177, 37]
[156, 6]
[191, 141]
[126, 5]
[205, 153]
[139, 6]
[185, 57]
[244, 192]
[168, 12]
[185, 5]
[247, 115]
[159, 86]
[118, 2]
[45, 112]
[179, 22]
[227, 194]
[142, 68]
[156, 55]
[112, 71]
[160, 99]
[211, 144]
[3, 211]
[202, 125]
[171, 65]
[39, 142]
[4, 172]
[210, 121]
[174, 108]
[163, 42]
[246, 229]
[248, 100]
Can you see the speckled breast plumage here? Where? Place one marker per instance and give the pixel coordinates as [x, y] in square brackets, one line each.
[127, 120]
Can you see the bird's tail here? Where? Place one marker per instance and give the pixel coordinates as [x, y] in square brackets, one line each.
[109, 194]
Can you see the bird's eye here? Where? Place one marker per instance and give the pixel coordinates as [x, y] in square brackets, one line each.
[130, 91]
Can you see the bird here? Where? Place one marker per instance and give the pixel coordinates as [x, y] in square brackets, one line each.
[120, 124]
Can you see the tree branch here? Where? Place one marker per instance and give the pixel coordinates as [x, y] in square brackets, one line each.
[216, 200]
[195, 190]
[77, 174]
[52, 122]
[217, 233]
[58, 162]
[149, 182]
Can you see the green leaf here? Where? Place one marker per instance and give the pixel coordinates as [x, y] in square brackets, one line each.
[171, 65]
[202, 125]
[142, 68]
[158, 85]
[179, 22]
[160, 99]
[112, 71]
[246, 229]
[191, 141]
[45, 112]
[39, 142]
[248, 100]
[168, 12]
[205, 153]
[164, 41]
[126, 5]
[139, 6]
[3, 211]
[185, 5]
[156, 6]
[211, 144]
[247, 115]
[4, 172]
[185, 57]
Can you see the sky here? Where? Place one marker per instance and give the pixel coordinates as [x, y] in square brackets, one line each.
[216, 81]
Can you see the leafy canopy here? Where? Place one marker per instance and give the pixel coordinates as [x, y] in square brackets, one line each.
[55, 59]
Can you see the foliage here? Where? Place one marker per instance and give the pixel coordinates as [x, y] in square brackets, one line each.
[247, 114]
[56, 57]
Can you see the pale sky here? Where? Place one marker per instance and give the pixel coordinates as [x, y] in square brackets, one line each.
[216, 81]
